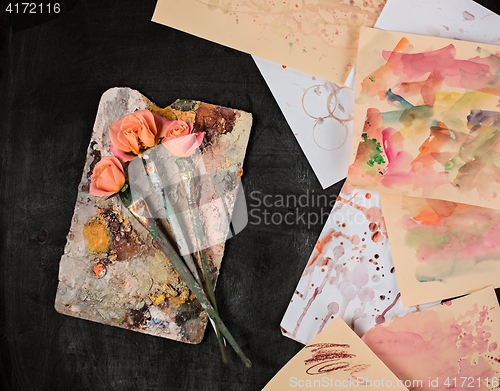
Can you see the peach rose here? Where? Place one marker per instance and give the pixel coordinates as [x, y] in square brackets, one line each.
[107, 178]
[134, 133]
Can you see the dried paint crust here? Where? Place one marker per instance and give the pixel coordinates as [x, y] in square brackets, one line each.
[110, 272]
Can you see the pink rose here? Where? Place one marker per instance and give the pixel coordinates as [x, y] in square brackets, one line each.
[176, 129]
[184, 146]
[135, 133]
[107, 178]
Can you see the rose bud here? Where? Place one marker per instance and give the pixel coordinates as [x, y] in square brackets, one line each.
[184, 146]
[176, 129]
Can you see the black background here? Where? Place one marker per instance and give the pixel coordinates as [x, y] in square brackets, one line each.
[52, 74]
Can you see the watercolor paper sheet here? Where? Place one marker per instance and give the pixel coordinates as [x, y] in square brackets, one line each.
[350, 273]
[317, 37]
[441, 249]
[450, 346]
[456, 19]
[427, 118]
[320, 114]
[335, 359]
[110, 271]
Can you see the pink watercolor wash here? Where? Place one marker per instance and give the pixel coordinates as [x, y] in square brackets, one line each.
[456, 340]
[431, 127]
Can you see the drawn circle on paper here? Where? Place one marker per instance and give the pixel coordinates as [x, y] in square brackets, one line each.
[344, 113]
[319, 101]
[330, 134]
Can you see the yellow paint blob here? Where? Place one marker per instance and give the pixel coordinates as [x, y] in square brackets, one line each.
[97, 235]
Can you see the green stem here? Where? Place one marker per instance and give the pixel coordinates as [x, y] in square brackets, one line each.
[184, 273]
[154, 178]
[186, 173]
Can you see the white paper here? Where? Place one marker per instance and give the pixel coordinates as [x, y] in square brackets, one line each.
[456, 19]
[320, 115]
[349, 274]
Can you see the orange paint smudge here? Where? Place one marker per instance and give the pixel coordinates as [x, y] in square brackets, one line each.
[317, 258]
[379, 85]
[427, 217]
[99, 270]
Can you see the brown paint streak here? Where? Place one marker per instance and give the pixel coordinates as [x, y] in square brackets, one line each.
[329, 357]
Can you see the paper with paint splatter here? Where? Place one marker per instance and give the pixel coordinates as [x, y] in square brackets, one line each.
[427, 118]
[441, 249]
[455, 19]
[335, 359]
[317, 37]
[320, 114]
[450, 346]
[350, 273]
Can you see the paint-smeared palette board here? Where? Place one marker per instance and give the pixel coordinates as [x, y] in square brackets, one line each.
[110, 271]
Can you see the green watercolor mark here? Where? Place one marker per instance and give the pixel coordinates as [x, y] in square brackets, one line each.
[421, 116]
[237, 21]
[391, 118]
[291, 45]
[304, 51]
[398, 100]
[372, 79]
[375, 150]
[428, 237]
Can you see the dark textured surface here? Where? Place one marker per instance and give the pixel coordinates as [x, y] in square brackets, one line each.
[52, 76]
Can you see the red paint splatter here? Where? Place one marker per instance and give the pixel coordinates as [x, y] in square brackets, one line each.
[381, 318]
[377, 237]
[468, 16]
